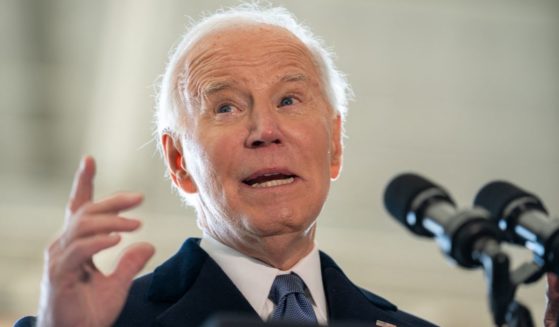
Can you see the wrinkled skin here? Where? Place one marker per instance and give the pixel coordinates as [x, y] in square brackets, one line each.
[258, 108]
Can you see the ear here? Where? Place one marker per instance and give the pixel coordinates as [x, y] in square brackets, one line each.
[175, 164]
[336, 149]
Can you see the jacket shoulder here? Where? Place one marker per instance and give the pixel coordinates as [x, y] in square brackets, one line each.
[152, 294]
[138, 309]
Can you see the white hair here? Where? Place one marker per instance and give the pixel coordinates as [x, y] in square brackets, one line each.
[171, 107]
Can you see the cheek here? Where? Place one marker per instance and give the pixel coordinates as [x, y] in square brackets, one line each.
[317, 143]
[216, 158]
[198, 158]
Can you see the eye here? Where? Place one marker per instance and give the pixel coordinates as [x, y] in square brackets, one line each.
[287, 101]
[224, 109]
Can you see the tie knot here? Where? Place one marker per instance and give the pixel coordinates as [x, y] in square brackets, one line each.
[284, 285]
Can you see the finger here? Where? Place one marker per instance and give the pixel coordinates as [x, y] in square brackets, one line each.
[133, 260]
[115, 203]
[82, 187]
[100, 224]
[82, 250]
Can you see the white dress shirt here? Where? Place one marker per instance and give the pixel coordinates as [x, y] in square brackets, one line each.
[254, 278]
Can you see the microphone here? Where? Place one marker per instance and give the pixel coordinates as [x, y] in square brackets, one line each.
[524, 219]
[427, 210]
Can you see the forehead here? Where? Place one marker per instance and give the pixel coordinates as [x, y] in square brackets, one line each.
[246, 53]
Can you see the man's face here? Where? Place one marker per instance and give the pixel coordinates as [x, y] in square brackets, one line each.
[262, 142]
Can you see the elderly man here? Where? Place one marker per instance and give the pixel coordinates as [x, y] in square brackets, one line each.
[250, 125]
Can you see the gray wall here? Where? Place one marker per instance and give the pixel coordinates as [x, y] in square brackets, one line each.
[463, 92]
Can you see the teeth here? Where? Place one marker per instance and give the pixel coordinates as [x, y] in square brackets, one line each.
[273, 183]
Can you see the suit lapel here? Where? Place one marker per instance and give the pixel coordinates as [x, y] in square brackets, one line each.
[196, 288]
[347, 302]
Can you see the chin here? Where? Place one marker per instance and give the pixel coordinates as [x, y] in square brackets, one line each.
[282, 225]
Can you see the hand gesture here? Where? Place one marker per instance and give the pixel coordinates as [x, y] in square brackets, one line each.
[74, 292]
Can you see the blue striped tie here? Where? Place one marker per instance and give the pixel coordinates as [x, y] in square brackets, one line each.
[288, 294]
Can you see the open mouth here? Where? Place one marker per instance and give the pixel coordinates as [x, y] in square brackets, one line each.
[269, 180]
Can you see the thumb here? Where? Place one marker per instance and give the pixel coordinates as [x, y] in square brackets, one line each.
[133, 260]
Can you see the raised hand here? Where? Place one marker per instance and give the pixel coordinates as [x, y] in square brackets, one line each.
[74, 292]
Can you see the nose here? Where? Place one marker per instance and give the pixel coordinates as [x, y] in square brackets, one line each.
[264, 129]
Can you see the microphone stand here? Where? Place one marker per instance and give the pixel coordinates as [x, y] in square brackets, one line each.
[502, 284]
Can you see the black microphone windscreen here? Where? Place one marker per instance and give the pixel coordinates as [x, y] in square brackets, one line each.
[496, 196]
[401, 192]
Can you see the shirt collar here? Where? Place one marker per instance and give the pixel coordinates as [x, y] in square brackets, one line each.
[242, 270]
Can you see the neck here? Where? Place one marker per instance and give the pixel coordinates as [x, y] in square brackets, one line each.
[281, 251]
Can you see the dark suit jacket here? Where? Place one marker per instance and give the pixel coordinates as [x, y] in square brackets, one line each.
[190, 287]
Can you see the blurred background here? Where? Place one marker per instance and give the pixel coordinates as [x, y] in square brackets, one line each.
[463, 92]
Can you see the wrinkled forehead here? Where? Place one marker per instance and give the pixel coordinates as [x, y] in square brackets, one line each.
[246, 47]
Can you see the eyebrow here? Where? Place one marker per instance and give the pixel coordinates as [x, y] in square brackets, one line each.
[218, 86]
[294, 78]
[215, 87]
